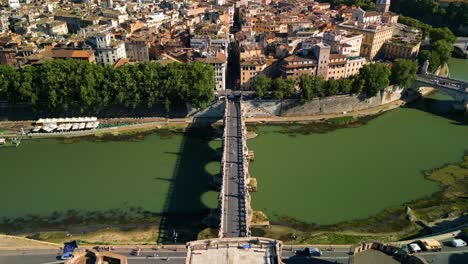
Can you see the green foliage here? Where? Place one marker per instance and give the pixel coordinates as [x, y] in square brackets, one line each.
[453, 16]
[443, 49]
[332, 87]
[442, 34]
[305, 86]
[283, 88]
[423, 56]
[404, 72]
[69, 85]
[375, 77]
[340, 121]
[261, 84]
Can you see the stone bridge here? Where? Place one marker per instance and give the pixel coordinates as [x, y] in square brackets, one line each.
[455, 88]
[234, 197]
[462, 43]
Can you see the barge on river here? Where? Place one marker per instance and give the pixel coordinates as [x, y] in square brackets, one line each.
[68, 124]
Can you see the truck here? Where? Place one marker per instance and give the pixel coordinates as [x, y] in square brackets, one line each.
[430, 244]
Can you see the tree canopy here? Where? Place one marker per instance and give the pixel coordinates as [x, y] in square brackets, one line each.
[65, 85]
[375, 77]
[403, 72]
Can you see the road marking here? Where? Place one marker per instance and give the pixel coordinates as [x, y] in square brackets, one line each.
[54, 262]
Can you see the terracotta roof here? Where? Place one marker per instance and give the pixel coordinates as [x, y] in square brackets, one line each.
[62, 53]
[120, 62]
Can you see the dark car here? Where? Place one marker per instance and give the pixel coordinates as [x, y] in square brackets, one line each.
[309, 251]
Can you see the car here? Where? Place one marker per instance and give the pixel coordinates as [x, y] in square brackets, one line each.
[309, 251]
[68, 255]
[414, 248]
[458, 243]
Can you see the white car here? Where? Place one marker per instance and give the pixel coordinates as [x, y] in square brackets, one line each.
[458, 243]
[414, 248]
[68, 255]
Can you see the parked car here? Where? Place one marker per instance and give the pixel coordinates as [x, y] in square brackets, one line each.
[458, 243]
[414, 248]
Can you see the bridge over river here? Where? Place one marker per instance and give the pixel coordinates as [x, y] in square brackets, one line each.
[455, 88]
[234, 197]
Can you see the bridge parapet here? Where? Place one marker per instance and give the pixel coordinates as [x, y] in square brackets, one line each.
[223, 173]
[245, 165]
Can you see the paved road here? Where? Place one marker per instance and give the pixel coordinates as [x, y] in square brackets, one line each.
[234, 200]
[46, 256]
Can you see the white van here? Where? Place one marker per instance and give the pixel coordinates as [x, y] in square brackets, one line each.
[458, 243]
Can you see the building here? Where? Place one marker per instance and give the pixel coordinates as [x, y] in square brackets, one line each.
[13, 4]
[382, 6]
[365, 17]
[343, 42]
[57, 28]
[8, 56]
[318, 61]
[85, 55]
[75, 22]
[219, 63]
[137, 49]
[252, 67]
[374, 36]
[108, 51]
[398, 48]
[4, 23]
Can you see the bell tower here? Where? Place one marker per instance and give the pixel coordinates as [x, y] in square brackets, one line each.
[382, 6]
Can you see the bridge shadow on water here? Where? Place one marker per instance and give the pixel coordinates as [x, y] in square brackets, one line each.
[184, 211]
[440, 104]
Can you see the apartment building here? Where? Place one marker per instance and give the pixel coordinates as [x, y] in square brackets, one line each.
[219, 63]
[109, 51]
[252, 67]
[374, 36]
[137, 49]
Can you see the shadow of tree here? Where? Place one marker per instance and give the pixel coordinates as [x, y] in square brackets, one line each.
[184, 210]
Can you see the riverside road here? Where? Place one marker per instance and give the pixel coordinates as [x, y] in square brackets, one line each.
[235, 213]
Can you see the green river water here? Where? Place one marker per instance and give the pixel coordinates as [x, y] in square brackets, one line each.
[322, 178]
[41, 176]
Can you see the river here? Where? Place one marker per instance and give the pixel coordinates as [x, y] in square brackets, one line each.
[323, 178]
[353, 173]
[165, 171]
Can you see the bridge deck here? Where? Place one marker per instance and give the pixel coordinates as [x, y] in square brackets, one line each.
[234, 209]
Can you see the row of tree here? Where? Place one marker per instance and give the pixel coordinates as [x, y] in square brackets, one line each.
[71, 85]
[372, 79]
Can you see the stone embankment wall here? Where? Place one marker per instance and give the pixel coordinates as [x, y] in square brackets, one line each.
[327, 105]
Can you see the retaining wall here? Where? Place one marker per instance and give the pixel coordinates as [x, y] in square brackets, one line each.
[319, 106]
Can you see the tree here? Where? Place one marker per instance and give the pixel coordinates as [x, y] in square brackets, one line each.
[345, 85]
[404, 72]
[444, 33]
[331, 87]
[261, 84]
[318, 86]
[434, 61]
[423, 56]
[376, 78]
[305, 85]
[443, 49]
